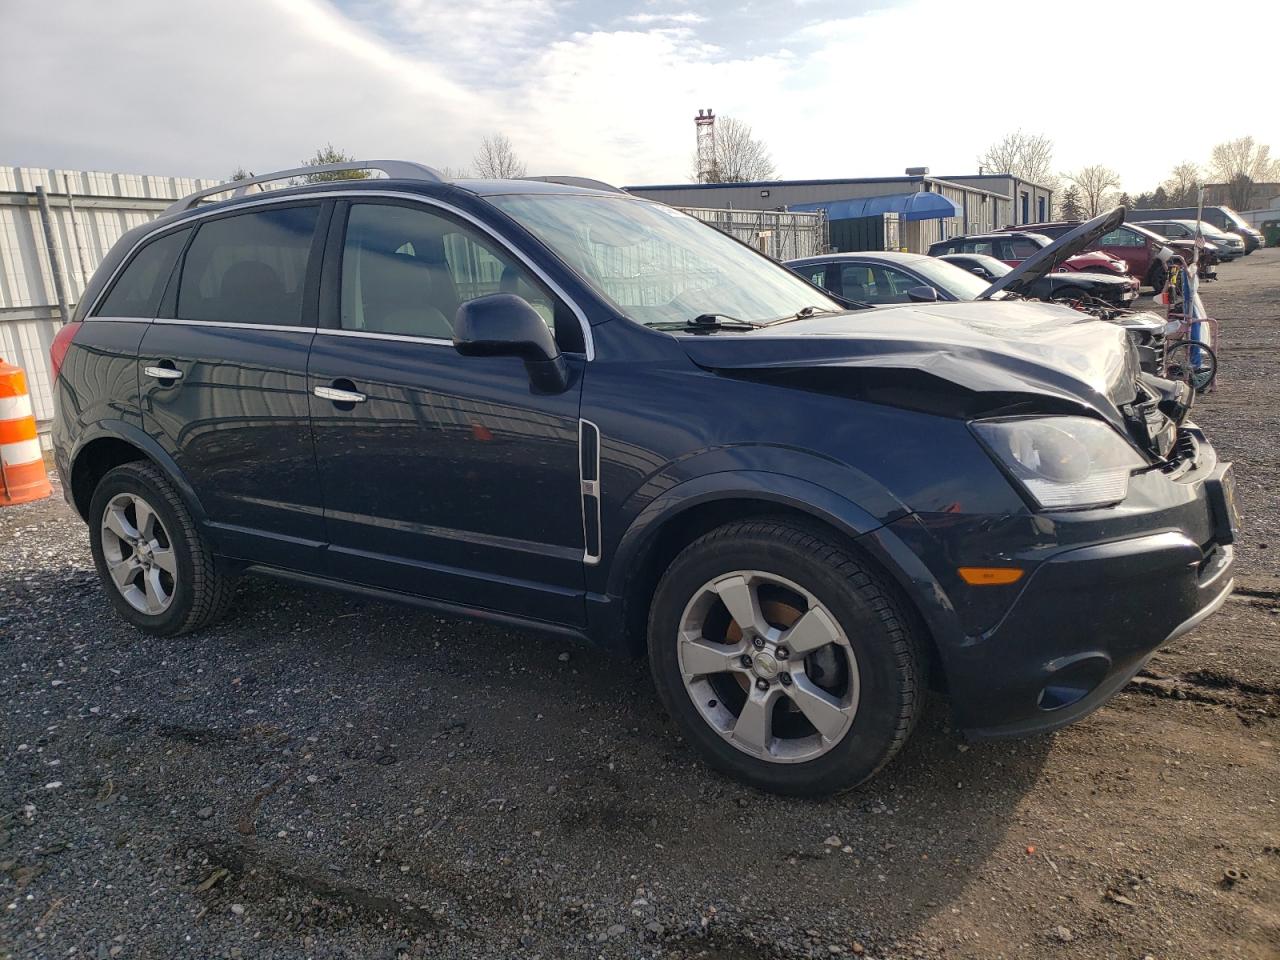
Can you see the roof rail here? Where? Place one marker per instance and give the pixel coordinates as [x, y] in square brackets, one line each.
[586, 182]
[394, 169]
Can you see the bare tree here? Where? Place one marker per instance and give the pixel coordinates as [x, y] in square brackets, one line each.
[740, 157]
[1240, 164]
[331, 154]
[1027, 156]
[1096, 184]
[1183, 184]
[240, 174]
[455, 173]
[497, 159]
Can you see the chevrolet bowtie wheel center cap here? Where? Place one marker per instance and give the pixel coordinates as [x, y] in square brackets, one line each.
[765, 665]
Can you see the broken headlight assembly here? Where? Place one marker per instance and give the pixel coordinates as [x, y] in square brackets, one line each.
[1062, 462]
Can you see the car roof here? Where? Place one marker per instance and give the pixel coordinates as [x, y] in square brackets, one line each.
[889, 256]
[998, 235]
[440, 188]
[969, 256]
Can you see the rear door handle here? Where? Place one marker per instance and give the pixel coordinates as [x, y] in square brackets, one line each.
[163, 373]
[339, 396]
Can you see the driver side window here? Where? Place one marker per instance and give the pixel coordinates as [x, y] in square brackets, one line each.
[406, 270]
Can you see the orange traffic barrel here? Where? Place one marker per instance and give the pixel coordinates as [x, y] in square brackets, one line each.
[22, 474]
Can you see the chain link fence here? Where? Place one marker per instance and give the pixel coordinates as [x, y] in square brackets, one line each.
[775, 233]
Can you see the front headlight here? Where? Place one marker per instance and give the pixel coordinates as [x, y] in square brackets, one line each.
[1121, 266]
[1062, 462]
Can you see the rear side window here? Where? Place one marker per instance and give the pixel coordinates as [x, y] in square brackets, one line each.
[138, 289]
[249, 268]
[1021, 248]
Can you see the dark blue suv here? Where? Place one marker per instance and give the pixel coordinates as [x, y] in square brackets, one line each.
[561, 407]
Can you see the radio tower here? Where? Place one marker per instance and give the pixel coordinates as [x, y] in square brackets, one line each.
[706, 125]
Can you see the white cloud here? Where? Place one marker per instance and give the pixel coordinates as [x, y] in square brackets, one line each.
[683, 16]
[164, 86]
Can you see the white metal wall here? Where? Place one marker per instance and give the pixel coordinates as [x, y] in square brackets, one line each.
[107, 205]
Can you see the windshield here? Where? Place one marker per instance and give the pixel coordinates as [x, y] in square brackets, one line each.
[961, 284]
[1234, 217]
[658, 265]
[1208, 229]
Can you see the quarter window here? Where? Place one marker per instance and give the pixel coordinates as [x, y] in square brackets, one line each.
[407, 270]
[249, 268]
[138, 289]
[815, 273]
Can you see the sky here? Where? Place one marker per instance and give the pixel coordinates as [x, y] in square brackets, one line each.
[609, 90]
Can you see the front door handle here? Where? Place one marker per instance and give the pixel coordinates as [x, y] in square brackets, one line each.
[339, 396]
[163, 373]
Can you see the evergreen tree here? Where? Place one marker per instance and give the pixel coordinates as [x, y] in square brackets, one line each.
[1072, 209]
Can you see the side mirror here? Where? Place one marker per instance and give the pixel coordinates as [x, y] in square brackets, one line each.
[504, 325]
[983, 273]
[922, 294]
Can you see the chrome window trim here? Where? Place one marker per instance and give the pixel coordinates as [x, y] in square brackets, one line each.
[118, 319]
[375, 335]
[278, 327]
[587, 338]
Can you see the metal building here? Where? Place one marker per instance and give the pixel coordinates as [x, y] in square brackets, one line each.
[105, 205]
[1030, 202]
[953, 208]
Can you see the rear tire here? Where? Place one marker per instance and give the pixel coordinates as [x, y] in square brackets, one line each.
[158, 571]
[846, 693]
[1157, 276]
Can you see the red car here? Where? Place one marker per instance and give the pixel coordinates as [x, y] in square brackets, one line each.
[1147, 253]
[1014, 246]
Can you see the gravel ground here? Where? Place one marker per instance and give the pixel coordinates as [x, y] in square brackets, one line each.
[329, 777]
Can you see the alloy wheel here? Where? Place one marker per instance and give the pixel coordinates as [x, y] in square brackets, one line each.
[768, 667]
[139, 554]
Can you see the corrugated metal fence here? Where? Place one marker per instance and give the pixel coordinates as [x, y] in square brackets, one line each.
[106, 205]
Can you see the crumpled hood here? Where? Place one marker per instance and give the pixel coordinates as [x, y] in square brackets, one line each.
[1015, 349]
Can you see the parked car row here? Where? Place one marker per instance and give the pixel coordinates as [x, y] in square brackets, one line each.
[886, 278]
[1227, 246]
[1141, 250]
[1221, 217]
[576, 411]
[1014, 246]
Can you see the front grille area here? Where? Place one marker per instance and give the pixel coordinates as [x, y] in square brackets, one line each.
[1186, 451]
[1149, 427]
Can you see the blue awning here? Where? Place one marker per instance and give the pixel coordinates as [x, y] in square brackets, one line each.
[908, 206]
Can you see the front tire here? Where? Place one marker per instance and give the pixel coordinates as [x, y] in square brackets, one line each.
[159, 573]
[784, 659]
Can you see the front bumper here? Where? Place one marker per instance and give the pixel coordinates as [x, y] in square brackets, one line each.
[1103, 591]
[1095, 616]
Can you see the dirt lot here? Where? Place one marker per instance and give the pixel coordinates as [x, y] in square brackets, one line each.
[328, 777]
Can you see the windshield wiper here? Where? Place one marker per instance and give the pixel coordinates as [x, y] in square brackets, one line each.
[709, 321]
[805, 312]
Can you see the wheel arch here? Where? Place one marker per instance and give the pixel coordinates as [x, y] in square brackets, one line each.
[696, 507]
[112, 445]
